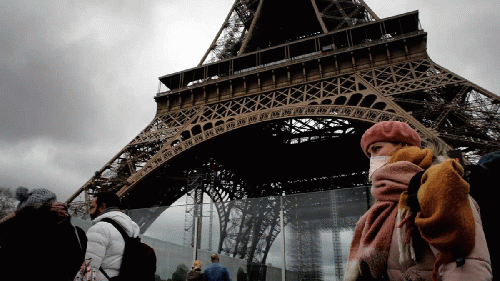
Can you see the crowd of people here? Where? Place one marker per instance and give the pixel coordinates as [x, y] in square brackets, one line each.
[429, 221]
[214, 272]
[39, 235]
[38, 241]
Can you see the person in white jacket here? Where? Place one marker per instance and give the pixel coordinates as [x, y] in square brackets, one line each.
[105, 244]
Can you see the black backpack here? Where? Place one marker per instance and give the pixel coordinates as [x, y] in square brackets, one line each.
[139, 259]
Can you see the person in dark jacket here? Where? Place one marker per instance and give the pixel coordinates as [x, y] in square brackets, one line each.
[38, 241]
[216, 271]
[481, 176]
[195, 274]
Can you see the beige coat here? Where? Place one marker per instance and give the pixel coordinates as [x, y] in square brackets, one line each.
[477, 266]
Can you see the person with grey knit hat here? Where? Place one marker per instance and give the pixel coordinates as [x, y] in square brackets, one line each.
[38, 239]
[37, 196]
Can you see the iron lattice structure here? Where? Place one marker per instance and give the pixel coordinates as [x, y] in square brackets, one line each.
[255, 24]
[282, 90]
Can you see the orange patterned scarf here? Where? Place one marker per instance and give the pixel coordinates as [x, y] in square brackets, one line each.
[373, 233]
[446, 220]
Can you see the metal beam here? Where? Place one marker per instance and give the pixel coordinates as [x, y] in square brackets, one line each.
[318, 15]
[214, 42]
[248, 35]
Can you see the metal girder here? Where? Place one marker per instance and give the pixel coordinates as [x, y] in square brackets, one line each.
[242, 20]
[407, 83]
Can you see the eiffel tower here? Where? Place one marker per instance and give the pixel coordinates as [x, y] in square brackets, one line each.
[278, 104]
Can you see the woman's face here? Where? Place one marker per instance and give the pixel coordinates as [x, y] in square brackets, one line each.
[382, 148]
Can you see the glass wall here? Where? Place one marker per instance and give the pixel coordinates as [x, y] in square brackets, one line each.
[303, 236]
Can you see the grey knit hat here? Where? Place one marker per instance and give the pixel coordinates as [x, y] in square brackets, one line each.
[35, 197]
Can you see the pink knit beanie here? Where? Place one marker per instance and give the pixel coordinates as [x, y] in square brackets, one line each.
[390, 131]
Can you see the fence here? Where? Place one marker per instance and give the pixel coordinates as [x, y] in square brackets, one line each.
[248, 235]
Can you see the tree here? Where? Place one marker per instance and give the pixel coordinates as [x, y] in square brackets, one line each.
[7, 202]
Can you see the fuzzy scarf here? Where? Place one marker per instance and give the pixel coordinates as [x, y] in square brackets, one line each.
[445, 220]
[373, 233]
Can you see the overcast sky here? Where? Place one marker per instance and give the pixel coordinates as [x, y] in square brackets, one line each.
[77, 78]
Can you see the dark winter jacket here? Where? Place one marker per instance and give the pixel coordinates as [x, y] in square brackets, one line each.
[195, 275]
[216, 272]
[36, 244]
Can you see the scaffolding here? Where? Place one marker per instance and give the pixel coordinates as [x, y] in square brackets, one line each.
[194, 201]
[337, 246]
[196, 179]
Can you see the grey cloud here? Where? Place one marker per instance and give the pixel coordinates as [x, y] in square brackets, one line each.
[66, 106]
[52, 81]
[77, 78]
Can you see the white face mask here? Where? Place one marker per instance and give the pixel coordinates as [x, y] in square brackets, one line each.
[376, 163]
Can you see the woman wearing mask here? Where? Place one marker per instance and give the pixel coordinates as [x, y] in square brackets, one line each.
[423, 224]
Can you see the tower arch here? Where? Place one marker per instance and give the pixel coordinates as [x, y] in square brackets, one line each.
[294, 102]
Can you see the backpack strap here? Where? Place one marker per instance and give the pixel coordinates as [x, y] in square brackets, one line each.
[122, 232]
[82, 239]
[118, 227]
[104, 273]
[78, 238]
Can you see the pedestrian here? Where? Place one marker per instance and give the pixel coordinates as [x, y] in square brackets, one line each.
[195, 274]
[423, 224]
[480, 177]
[106, 245]
[38, 241]
[216, 271]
